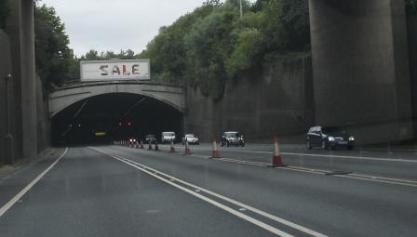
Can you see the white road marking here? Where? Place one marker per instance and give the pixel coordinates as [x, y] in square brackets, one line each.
[323, 155]
[26, 189]
[333, 156]
[376, 180]
[253, 163]
[267, 227]
[214, 203]
[355, 176]
[384, 180]
[352, 157]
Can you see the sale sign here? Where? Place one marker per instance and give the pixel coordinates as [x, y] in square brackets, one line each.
[138, 69]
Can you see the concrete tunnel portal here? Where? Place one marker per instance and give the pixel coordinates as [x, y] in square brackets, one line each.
[111, 117]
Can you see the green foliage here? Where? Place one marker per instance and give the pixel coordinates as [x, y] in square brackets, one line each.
[213, 44]
[246, 53]
[4, 13]
[209, 44]
[54, 58]
[411, 7]
[167, 51]
[95, 55]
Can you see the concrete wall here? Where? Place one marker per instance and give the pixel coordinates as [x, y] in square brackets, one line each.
[361, 71]
[278, 101]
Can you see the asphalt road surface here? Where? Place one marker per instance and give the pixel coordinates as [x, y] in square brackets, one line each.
[123, 191]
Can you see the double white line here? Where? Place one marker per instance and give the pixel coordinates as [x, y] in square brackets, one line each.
[203, 194]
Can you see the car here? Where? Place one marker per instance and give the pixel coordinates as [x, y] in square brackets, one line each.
[150, 138]
[168, 137]
[132, 141]
[232, 139]
[191, 139]
[329, 137]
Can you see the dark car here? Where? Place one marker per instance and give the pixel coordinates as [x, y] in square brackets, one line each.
[132, 141]
[329, 137]
[232, 139]
[150, 138]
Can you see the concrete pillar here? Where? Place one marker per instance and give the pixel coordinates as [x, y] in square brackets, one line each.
[360, 67]
[412, 40]
[20, 28]
[6, 80]
[29, 79]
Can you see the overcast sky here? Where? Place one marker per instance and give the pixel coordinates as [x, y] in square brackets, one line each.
[117, 24]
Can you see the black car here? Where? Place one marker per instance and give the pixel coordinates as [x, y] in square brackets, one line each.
[232, 138]
[132, 141]
[329, 137]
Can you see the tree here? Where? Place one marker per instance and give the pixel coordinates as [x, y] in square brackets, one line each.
[411, 7]
[246, 53]
[93, 54]
[212, 2]
[209, 44]
[4, 13]
[53, 56]
[296, 21]
[168, 52]
[214, 44]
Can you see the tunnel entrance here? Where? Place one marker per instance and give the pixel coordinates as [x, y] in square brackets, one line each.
[111, 117]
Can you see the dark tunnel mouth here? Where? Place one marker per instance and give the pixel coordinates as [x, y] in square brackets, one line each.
[106, 118]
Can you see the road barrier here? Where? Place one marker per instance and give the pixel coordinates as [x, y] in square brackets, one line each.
[187, 149]
[216, 152]
[277, 160]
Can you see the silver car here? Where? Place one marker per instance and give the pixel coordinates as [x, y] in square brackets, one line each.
[191, 139]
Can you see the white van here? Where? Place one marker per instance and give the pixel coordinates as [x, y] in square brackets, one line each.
[167, 137]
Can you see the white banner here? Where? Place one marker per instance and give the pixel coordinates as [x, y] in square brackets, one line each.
[137, 69]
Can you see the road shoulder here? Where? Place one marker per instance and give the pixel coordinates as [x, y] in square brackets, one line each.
[14, 178]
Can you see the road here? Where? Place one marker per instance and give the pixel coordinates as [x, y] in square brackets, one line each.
[121, 191]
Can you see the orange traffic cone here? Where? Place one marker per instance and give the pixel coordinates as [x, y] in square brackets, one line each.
[277, 160]
[216, 153]
[172, 148]
[187, 149]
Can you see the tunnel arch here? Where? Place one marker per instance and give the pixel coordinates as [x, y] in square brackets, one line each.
[77, 123]
[66, 96]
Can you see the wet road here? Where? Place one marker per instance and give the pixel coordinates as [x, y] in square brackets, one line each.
[120, 191]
